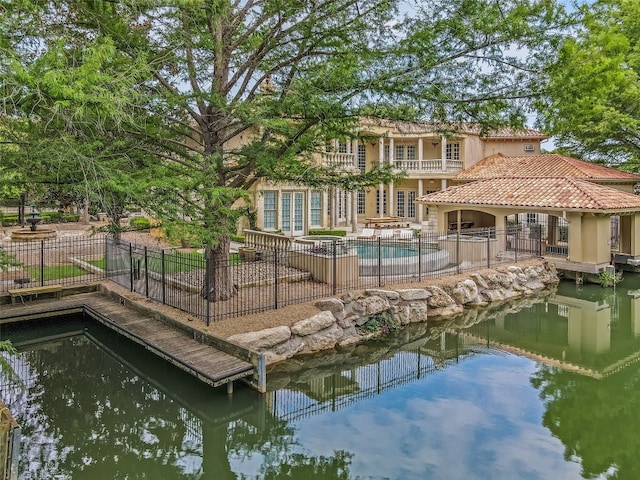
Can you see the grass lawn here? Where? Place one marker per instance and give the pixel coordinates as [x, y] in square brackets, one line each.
[55, 272]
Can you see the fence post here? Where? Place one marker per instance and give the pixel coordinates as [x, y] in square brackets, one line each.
[162, 274]
[146, 273]
[488, 247]
[106, 256]
[420, 257]
[379, 262]
[131, 266]
[275, 274]
[41, 262]
[515, 255]
[335, 264]
[207, 283]
[458, 251]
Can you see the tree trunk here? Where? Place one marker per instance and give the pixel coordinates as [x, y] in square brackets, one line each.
[219, 280]
[85, 211]
[21, 207]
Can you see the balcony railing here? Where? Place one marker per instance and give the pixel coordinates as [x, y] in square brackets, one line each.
[344, 161]
[428, 166]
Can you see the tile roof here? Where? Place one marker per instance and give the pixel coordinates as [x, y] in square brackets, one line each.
[453, 128]
[544, 165]
[560, 193]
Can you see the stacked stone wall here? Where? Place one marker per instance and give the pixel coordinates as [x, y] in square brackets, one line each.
[340, 319]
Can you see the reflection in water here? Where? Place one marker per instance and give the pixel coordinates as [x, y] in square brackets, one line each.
[445, 401]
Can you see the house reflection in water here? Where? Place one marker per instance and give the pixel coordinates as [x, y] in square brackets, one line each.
[593, 332]
[595, 335]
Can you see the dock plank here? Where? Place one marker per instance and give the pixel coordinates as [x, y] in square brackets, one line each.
[203, 361]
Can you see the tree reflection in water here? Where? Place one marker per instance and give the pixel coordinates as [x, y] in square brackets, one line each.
[596, 420]
[86, 414]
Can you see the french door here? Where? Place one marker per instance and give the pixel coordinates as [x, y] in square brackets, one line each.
[292, 213]
[405, 203]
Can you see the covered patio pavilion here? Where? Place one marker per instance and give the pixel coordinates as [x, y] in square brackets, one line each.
[583, 207]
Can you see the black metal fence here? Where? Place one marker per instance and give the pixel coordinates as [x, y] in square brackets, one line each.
[64, 261]
[266, 278]
[270, 278]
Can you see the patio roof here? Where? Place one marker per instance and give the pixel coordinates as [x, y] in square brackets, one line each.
[547, 193]
[545, 165]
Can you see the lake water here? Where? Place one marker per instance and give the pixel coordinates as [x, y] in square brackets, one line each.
[545, 388]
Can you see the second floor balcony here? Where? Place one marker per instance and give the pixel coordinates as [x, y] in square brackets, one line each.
[347, 162]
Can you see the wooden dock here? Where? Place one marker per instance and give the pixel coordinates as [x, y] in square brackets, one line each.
[211, 360]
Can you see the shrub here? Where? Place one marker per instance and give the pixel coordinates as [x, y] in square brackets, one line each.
[513, 227]
[610, 279]
[334, 233]
[140, 223]
[237, 238]
[535, 231]
[379, 324]
[9, 219]
[563, 235]
[49, 217]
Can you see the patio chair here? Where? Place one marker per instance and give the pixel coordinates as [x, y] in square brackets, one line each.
[387, 234]
[367, 234]
[405, 234]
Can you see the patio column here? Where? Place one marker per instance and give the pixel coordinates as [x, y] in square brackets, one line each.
[392, 156]
[420, 206]
[325, 208]
[347, 207]
[574, 245]
[354, 152]
[334, 209]
[390, 202]
[354, 211]
[634, 234]
[443, 152]
[420, 150]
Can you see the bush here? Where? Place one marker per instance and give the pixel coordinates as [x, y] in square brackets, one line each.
[563, 233]
[140, 223]
[535, 231]
[513, 227]
[49, 217]
[237, 238]
[334, 233]
[379, 324]
[9, 219]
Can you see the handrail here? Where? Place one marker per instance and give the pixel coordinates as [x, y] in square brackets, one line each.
[265, 240]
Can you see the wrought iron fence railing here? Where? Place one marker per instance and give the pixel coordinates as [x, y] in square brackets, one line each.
[268, 278]
[64, 261]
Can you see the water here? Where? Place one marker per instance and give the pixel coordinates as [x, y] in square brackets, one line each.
[538, 389]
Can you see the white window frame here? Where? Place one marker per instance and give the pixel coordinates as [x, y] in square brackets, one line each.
[270, 210]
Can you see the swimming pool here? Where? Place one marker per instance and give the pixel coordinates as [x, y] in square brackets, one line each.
[384, 257]
[392, 257]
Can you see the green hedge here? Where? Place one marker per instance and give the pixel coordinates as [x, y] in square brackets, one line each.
[9, 219]
[334, 233]
[140, 223]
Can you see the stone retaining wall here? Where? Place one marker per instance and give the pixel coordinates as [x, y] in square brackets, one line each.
[337, 324]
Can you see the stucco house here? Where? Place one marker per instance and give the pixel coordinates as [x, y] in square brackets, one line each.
[431, 156]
